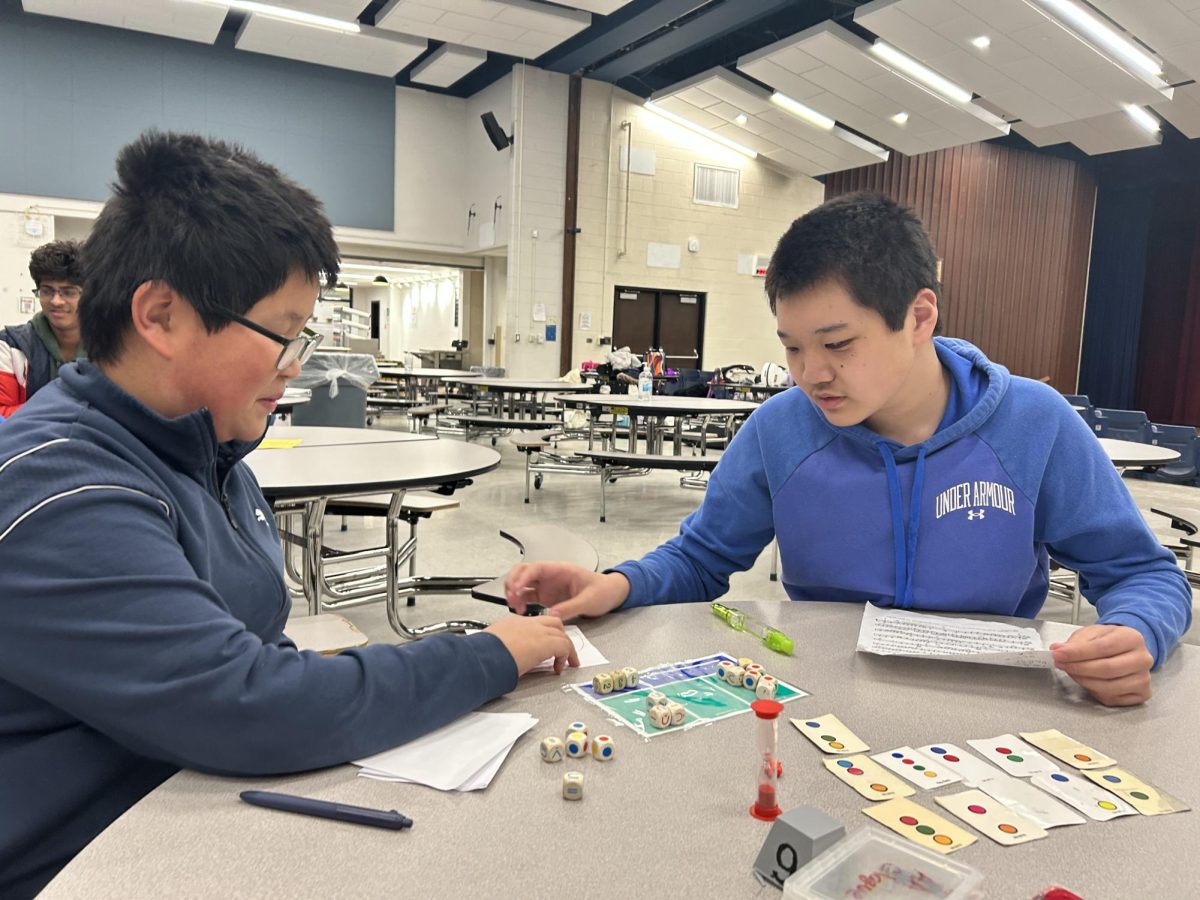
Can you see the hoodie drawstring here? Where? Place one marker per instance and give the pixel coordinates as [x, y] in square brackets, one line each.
[904, 541]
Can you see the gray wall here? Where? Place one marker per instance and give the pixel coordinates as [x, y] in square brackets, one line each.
[72, 94]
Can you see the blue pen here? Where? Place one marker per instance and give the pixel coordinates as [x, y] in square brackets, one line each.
[359, 815]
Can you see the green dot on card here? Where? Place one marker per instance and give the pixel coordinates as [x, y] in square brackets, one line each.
[924, 829]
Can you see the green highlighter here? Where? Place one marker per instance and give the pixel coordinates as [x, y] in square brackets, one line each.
[772, 638]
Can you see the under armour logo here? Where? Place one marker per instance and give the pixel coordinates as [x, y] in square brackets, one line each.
[258, 516]
[972, 514]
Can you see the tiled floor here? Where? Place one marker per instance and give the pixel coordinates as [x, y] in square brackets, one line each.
[642, 512]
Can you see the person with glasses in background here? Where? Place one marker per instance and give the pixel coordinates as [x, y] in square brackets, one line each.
[31, 354]
[142, 598]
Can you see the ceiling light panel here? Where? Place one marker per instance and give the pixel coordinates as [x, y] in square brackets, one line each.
[1034, 67]
[1171, 27]
[516, 27]
[1099, 134]
[716, 98]
[373, 55]
[599, 7]
[446, 65]
[832, 71]
[186, 21]
[1183, 111]
[347, 10]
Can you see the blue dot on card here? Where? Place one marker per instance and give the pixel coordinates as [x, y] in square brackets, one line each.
[897, 756]
[1058, 777]
[845, 763]
[938, 750]
[813, 724]
[1113, 778]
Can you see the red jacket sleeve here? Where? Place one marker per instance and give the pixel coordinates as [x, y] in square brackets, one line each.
[14, 373]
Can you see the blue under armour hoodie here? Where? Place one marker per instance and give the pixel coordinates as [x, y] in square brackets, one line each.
[963, 522]
[142, 608]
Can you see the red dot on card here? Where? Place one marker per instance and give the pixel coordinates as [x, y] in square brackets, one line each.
[907, 762]
[855, 770]
[977, 809]
[950, 757]
[1003, 751]
[908, 820]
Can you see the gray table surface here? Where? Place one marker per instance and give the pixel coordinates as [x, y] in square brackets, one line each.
[520, 385]
[402, 373]
[366, 467]
[1135, 453]
[666, 406]
[668, 816]
[329, 436]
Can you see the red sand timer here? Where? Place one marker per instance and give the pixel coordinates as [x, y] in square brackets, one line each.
[766, 803]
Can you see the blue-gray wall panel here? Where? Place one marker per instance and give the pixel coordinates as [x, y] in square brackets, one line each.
[72, 94]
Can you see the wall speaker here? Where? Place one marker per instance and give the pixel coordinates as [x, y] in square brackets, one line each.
[495, 133]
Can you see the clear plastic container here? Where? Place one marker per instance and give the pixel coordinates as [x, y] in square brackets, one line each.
[645, 384]
[874, 863]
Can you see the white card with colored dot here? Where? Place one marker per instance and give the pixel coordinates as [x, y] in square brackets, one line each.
[1141, 795]
[971, 769]
[1026, 800]
[1013, 755]
[991, 818]
[1091, 800]
[869, 779]
[916, 767]
[919, 825]
[1068, 749]
[830, 735]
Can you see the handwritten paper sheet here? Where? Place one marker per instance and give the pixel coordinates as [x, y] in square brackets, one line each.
[898, 632]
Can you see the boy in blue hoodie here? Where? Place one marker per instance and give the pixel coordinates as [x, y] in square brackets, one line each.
[908, 471]
[142, 602]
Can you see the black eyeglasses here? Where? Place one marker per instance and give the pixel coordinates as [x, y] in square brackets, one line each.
[47, 292]
[294, 349]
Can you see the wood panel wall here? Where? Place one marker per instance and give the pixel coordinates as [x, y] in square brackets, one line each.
[1014, 230]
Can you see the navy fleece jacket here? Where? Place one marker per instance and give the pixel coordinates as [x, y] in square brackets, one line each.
[963, 522]
[141, 628]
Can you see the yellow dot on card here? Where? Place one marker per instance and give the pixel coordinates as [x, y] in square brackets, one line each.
[837, 745]
[1105, 804]
[942, 839]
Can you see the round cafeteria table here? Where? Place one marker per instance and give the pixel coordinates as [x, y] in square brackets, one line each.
[420, 380]
[655, 410]
[1129, 454]
[668, 817]
[347, 462]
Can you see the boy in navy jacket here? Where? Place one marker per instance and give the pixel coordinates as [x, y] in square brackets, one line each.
[142, 602]
[908, 471]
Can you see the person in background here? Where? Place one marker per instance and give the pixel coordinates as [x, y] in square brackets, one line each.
[31, 354]
[142, 599]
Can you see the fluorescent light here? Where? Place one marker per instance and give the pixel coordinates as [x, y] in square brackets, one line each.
[1095, 30]
[699, 129]
[288, 15]
[900, 118]
[1143, 118]
[926, 76]
[366, 267]
[982, 42]
[800, 111]
[741, 119]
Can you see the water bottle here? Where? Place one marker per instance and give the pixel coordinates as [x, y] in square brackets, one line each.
[645, 383]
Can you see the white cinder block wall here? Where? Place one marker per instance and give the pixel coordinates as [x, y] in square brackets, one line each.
[739, 327]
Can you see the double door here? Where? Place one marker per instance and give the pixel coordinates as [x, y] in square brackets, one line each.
[645, 318]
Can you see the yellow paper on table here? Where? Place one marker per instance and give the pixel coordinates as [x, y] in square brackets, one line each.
[279, 443]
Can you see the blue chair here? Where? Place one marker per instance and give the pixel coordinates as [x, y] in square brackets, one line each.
[1121, 424]
[1083, 406]
[1181, 438]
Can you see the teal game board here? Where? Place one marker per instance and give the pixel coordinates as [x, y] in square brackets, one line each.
[693, 683]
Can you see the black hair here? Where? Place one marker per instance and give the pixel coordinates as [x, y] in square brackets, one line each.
[56, 261]
[876, 248]
[206, 217]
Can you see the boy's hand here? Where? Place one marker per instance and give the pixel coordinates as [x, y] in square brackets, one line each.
[1110, 662]
[568, 590]
[531, 640]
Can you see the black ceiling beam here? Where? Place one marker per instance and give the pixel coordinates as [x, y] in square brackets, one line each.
[657, 16]
[703, 29]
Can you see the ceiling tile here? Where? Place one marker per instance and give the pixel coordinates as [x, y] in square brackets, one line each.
[515, 27]
[446, 65]
[833, 71]
[1099, 134]
[367, 53]
[187, 21]
[1035, 67]
[716, 98]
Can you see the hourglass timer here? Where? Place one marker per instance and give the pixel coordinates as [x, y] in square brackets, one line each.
[766, 802]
